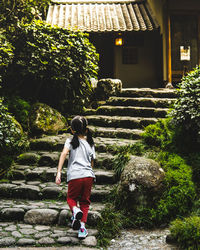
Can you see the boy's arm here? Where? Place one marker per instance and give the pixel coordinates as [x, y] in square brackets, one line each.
[60, 164]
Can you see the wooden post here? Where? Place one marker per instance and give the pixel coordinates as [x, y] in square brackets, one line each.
[169, 50]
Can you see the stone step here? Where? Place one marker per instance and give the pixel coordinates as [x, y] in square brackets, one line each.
[140, 101]
[120, 121]
[133, 134]
[20, 235]
[132, 111]
[148, 92]
[23, 211]
[36, 190]
[34, 173]
[50, 159]
[53, 143]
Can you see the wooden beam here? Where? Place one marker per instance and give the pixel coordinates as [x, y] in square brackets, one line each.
[169, 50]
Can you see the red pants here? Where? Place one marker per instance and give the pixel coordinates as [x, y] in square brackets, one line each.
[80, 190]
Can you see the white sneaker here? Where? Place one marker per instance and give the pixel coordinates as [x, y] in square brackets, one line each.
[82, 233]
[77, 216]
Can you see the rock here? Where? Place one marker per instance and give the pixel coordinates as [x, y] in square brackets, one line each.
[26, 192]
[42, 228]
[10, 228]
[64, 240]
[6, 190]
[42, 234]
[108, 87]
[41, 216]
[74, 241]
[16, 234]
[25, 241]
[28, 158]
[45, 120]
[51, 192]
[49, 159]
[90, 241]
[62, 220]
[140, 178]
[10, 214]
[46, 241]
[93, 218]
[7, 241]
[27, 232]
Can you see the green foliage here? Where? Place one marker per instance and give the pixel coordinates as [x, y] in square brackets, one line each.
[14, 11]
[193, 160]
[186, 110]
[179, 190]
[52, 65]
[122, 156]
[12, 140]
[6, 55]
[160, 134]
[186, 232]
[20, 109]
[109, 225]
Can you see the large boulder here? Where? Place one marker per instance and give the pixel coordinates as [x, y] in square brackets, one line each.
[140, 182]
[46, 120]
[108, 87]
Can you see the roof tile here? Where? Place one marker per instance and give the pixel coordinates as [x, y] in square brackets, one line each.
[102, 15]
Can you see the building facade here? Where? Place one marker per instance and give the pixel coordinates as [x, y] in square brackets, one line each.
[145, 43]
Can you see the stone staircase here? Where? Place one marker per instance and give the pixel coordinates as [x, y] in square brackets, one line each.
[33, 209]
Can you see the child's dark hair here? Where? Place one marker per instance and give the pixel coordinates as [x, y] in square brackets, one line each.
[79, 125]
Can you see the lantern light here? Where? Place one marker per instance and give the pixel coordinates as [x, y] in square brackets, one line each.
[119, 41]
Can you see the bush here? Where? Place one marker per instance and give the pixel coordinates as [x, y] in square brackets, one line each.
[52, 65]
[20, 109]
[160, 134]
[186, 232]
[12, 140]
[12, 12]
[179, 190]
[186, 110]
[6, 55]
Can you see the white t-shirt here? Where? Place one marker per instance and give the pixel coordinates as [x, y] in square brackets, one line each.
[79, 163]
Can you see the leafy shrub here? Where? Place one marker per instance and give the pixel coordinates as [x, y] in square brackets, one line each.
[12, 140]
[193, 160]
[160, 134]
[12, 12]
[179, 190]
[20, 109]
[6, 54]
[186, 110]
[186, 232]
[52, 65]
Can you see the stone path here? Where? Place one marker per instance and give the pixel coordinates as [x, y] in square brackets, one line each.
[142, 240]
[20, 234]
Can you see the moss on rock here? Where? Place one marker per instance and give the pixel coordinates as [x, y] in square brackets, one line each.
[45, 120]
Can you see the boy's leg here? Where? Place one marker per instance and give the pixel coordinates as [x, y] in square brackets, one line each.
[85, 197]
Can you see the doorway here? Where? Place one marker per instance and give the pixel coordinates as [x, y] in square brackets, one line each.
[184, 45]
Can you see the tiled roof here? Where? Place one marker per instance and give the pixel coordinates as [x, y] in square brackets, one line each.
[102, 15]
